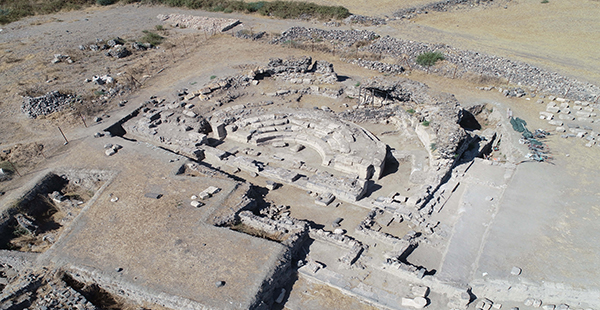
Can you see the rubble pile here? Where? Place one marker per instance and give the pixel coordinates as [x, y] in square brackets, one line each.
[298, 71]
[458, 63]
[365, 20]
[49, 103]
[343, 37]
[440, 6]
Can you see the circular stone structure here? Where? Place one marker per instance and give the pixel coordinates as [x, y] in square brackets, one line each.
[343, 146]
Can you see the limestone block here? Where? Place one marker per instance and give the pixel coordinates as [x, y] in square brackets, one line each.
[564, 105]
[279, 144]
[420, 291]
[204, 195]
[212, 190]
[585, 119]
[339, 231]
[484, 304]
[551, 104]
[189, 113]
[515, 271]
[546, 115]
[561, 129]
[548, 307]
[582, 113]
[219, 130]
[552, 109]
[561, 100]
[566, 117]
[588, 109]
[196, 204]
[110, 152]
[565, 110]
[555, 123]
[418, 302]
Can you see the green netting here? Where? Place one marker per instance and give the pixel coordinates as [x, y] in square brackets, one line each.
[518, 124]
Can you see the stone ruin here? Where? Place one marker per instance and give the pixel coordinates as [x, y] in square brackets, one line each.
[211, 25]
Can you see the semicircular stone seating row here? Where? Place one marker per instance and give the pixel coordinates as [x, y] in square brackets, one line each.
[343, 146]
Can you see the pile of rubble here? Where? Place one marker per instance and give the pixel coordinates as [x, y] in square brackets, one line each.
[49, 103]
[365, 20]
[441, 6]
[209, 24]
[458, 63]
[343, 37]
[115, 47]
[377, 65]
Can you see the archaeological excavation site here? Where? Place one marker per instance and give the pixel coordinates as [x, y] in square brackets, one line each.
[174, 155]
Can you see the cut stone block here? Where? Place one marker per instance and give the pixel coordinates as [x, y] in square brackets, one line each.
[279, 144]
[418, 302]
[515, 271]
[196, 204]
[566, 117]
[212, 190]
[555, 123]
[204, 195]
[420, 291]
[546, 115]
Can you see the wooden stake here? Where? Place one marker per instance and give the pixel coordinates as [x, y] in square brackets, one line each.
[568, 89]
[15, 168]
[61, 132]
[83, 120]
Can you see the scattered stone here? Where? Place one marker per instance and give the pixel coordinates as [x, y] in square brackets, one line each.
[114, 199]
[515, 271]
[220, 283]
[60, 58]
[118, 51]
[110, 152]
[339, 231]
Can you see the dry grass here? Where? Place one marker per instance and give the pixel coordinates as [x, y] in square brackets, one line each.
[370, 8]
[555, 35]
